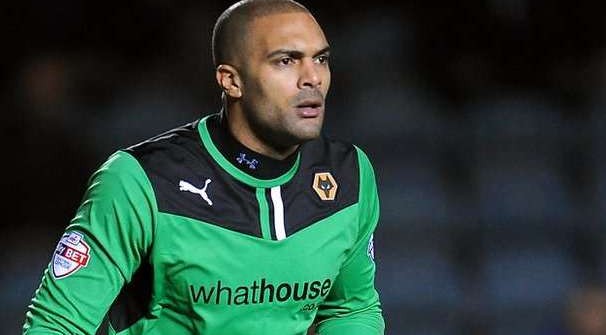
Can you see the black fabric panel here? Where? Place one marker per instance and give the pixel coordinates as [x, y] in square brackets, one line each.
[132, 304]
[302, 206]
[104, 327]
[179, 155]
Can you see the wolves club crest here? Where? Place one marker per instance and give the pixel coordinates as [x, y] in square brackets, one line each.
[71, 254]
[325, 186]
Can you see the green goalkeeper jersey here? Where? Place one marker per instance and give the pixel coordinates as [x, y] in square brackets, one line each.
[174, 237]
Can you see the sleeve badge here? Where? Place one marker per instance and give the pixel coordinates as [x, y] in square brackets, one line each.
[72, 253]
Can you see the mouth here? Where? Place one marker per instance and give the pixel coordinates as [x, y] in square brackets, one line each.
[310, 108]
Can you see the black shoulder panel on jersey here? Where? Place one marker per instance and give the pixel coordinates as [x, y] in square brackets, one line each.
[187, 181]
[302, 205]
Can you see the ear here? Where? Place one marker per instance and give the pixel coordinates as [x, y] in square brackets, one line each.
[229, 80]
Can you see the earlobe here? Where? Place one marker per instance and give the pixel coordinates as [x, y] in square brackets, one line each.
[229, 80]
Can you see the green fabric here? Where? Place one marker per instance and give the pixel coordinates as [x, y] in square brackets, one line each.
[264, 213]
[353, 299]
[117, 219]
[210, 280]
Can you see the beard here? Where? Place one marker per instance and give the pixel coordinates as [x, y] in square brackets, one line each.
[282, 128]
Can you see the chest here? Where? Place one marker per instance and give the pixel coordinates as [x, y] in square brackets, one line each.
[206, 266]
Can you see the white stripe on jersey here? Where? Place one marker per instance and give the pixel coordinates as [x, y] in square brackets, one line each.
[276, 199]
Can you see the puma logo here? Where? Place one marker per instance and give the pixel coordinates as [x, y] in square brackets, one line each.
[185, 186]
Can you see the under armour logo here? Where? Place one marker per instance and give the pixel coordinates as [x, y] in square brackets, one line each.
[252, 163]
[185, 186]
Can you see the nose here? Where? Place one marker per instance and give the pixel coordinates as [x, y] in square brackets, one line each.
[309, 74]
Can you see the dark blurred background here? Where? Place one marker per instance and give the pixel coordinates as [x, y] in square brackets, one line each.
[484, 120]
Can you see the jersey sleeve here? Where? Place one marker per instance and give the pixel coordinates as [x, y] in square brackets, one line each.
[352, 306]
[102, 247]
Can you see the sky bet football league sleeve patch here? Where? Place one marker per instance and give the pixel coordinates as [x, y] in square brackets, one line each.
[71, 254]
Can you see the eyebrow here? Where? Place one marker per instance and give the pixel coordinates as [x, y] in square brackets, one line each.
[296, 53]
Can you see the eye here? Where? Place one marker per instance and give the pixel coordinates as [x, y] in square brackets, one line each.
[286, 61]
[323, 59]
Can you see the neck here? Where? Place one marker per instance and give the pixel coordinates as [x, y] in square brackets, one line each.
[249, 161]
[240, 129]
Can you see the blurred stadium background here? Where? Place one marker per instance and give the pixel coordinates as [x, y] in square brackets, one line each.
[484, 119]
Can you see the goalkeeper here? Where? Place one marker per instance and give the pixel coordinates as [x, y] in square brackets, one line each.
[244, 222]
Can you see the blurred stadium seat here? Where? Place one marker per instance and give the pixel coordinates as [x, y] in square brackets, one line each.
[525, 286]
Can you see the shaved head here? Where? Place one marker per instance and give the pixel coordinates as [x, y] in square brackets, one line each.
[231, 29]
[271, 59]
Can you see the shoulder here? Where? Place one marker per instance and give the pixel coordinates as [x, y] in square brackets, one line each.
[338, 163]
[328, 151]
[174, 152]
[171, 158]
[173, 143]
[161, 161]
[335, 153]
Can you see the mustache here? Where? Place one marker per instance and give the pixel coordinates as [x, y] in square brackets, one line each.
[310, 94]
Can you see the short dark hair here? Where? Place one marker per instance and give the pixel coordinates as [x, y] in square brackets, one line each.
[229, 33]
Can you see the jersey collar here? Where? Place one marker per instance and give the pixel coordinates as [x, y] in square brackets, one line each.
[233, 170]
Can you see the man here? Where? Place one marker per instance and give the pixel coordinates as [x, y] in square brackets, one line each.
[244, 222]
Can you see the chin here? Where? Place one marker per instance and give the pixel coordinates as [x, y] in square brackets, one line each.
[309, 134]
[299, 137]
[310, 129]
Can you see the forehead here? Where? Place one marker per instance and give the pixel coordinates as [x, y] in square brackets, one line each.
[293, 31]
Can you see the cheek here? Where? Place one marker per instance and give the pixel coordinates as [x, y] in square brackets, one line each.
[280, 88]
[286, 79]
[326, 85]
